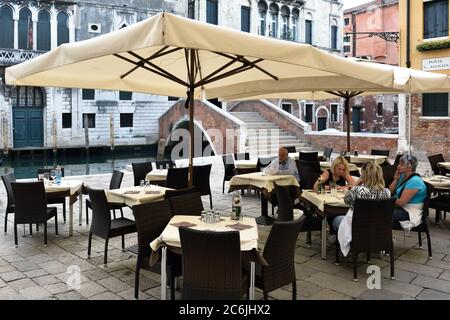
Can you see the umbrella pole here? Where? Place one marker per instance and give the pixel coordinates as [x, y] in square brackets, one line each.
[347, 112]
[191, 133]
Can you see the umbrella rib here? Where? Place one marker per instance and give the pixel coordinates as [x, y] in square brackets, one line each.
[225, 75]
[218, 70]
[155, 55]
[141, 65]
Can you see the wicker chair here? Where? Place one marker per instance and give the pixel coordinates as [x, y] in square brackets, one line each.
[140, 170]
[201, 177]
[308, 176]
[221, 277]
[151, 219]
[434, 160]
[397, 159]
[263, 162]
[423, 226]
[371, 230]
[102, 225]
[164, 164]
[291, 149]
[285, 199]
[173, 193]
[31, 207]
[55, 197]
[187, 204]
[7, 179]
[116, 181]
[230, 169]
[177, 178]
[313, 165]
[388, 174]
[441, 203]
[279, 253]
[379, 152]
[308, 156]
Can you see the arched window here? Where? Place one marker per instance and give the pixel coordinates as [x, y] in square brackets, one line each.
[273, 20]
[43, 31]
[6, 28]
[334, 34]
[262, 10]
[25, 29]
[63, 28]
[285, 32]
[295, 14]
[308, 28]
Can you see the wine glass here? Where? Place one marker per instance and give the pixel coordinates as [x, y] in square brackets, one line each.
[53, 175]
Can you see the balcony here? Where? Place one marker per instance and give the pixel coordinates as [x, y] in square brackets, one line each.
[9, 57]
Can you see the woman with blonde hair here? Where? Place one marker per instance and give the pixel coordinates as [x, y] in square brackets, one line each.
[370, 186]
[339, 173]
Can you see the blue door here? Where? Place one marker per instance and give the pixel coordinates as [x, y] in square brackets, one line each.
[27, 117]
[356, 119]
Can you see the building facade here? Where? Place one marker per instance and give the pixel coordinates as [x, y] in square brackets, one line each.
[425, 45]
[56, 117]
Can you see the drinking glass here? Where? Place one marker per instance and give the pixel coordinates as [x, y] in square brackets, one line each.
[203, 217]
[40, 176]
[46, 178]
[142, 183]
[147, 184]
[53, 174]
[333, 189]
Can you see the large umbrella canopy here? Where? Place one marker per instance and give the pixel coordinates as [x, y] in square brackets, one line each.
[170, 55]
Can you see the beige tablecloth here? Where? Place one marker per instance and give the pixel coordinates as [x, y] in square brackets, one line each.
[320, 200]
[72, 186]
[445, 165]
[171, 237]
[120, 195]
[261, 181]
[245, 164]
[368, 158]
[440, 182]
[157, 175]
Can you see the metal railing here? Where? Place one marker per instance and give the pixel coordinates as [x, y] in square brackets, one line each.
[11, 57]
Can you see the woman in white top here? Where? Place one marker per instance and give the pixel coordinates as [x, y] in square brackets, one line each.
[371, 186]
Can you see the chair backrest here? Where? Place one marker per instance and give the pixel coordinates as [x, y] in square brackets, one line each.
[291, 149]
[308, 176]
[372, 224]
[7, 179]
[116, 180]
[242, 156]
[140, 170]
[426, 204]
[187, 204]
[379, 152]
[173, 193]
[177, 178]
[388, 174]
[101, 215]
[200, 179]
[30, 202]
[164, 164]
[327, 152]
[228, 163]
[397, 159]
[285, 203]
[263, 162]
[308, 156]
[212, 266]
[48, 170]
[279, 252]
[434, 160]
[314, 165]
[151, 219]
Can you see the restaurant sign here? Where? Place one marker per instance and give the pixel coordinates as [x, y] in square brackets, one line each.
[436, 64]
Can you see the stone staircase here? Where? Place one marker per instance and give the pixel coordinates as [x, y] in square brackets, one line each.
[265, 137]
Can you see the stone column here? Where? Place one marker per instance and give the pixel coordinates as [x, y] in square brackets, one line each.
[34, 34]
[53, 28]
[402, 119]
[16, 33]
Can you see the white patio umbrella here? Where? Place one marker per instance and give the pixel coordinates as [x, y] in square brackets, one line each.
[170, 55]
[405, 81]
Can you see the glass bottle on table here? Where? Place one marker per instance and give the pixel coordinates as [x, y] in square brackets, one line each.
[236, 207]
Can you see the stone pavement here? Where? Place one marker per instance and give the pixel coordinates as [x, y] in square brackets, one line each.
[32, 271]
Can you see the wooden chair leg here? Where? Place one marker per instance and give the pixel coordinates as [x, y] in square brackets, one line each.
[391, 253]
[15, 235]
[105, 260]
[87, 213]
[45, 233]
[136, 278]
[123, 242]
[114, 213]
[56, 224]
[337, 260]
[31, 229]
[355, 266]
[430, 253]
[37, 227]
[6, 220]
[420, 240]
[210, 201]
[64, 210]
[89, 244]
[223, 187]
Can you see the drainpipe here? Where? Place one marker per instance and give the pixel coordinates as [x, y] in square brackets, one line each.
[354, 35]
[408, 34]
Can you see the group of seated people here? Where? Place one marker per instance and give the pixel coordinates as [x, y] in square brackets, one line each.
[407, 186]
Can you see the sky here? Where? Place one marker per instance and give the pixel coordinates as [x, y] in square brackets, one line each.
[353, 3]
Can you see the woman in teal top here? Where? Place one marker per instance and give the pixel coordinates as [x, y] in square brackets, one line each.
[410, 191]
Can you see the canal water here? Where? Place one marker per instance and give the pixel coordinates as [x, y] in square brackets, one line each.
[74, 164]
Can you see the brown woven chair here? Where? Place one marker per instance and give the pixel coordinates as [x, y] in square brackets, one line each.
[263, 162]
[279, 253]
[291, 149]
[164, 164]
[7, 179]
[434, 160]
[174, 193]
[379, 152]
[187, 204]
[31, 207]
[102, 225]
[151, 219]
[140, 170]
[55, 197]
[388, 174]
[212, 265]
[177, 178]
[441, 203]
[308, 156]
[201, 177]
[371, 230]
[230, 170]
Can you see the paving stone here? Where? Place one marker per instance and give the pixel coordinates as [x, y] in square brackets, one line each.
[445, 275]
[8, 268]
[327, 294]
[129, 295]
[36, 273]
[90, 289]
[429, 294]
[11, 276]
[106, 296]
[46, 280]
[418, 268]
[281, 294]
[439, 264]
[35, 293]
[322, 265]
[401, 287]
[400, 275]
[113, 284]
[25, 265]
[432, 283]
[379, 294]
[57, 288]
[40, 258]
[96, 274]
[335, 283]
[53, 267]
[21, 284]
[13, 258]
[8, 293]
[71, 295]
[306, 289]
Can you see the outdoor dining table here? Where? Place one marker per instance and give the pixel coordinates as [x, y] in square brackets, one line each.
[327, 206]
[445, 166]
[170, 238]
[136, 195]
[245, 164]
[73, 190]
[439, 182]
[157, 175]
[265, 184]
[364, 158]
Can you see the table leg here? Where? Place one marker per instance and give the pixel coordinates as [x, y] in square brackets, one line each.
[264, 219]
[71, 220]
[164, 274]
[80, 209]
[252, 281]
[324, 238]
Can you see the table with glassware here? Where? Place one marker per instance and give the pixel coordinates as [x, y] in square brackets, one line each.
[438, 182]
[157, 175]
[327, 205]
[364, 158]
[264, 183]
[136, 195]
[170, 238]
[73, 190]
[445, 166]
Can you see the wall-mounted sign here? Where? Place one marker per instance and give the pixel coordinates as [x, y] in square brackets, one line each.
[436, 64]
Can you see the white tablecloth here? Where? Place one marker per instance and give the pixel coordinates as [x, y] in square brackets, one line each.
[262, 181]
[445, 165]
[74, 186]
[245, 164]
[157, 175]
[120, 195]
[440, 182]
[320, 200]
[368, 158]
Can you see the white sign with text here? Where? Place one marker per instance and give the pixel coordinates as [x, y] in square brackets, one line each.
[436, 64]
